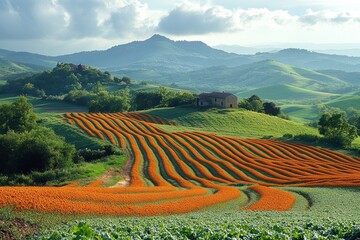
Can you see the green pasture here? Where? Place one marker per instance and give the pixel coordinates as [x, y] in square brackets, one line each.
[236, 122]
[345, 102]
[301, 113]
[287, 93]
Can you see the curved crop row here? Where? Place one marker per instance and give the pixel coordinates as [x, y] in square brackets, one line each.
[271, 199]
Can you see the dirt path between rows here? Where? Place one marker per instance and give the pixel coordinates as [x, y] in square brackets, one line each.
[124, 172]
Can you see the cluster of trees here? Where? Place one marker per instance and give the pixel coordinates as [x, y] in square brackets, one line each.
[337, 130]
[61, 80]
[162, 97]
[25, 146]
[100, 100]
[335, 127]
[255, 104]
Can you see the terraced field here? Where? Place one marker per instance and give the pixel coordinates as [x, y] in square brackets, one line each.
[180, 172]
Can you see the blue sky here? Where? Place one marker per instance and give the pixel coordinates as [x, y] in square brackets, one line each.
[65, 26]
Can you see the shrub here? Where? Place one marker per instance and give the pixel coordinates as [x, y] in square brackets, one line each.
[89, 155]
[17, 116]
[288, 136]
[39, 149]
[309, 138]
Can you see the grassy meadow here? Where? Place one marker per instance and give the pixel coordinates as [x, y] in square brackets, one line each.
[235, 122]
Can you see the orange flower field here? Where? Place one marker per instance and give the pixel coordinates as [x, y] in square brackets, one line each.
[180, 172]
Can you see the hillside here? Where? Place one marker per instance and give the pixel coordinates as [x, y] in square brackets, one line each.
[301, 112]
[30, 58]
[284, 92]
[58, 81]
[11, 69]
[235, 122]
[255, 75]
[345, 102]
[156, 53]
[352, 78]
[312, 60]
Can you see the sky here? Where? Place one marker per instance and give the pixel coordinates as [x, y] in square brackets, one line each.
[55, 27]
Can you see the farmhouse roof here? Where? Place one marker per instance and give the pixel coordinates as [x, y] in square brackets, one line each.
[215, 94]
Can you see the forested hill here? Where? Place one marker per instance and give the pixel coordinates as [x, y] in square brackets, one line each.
[58, 81]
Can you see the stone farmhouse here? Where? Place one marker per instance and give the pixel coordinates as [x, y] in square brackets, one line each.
[217, 99]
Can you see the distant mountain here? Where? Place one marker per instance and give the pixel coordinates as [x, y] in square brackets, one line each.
[156, 53]
[30, 58]
[245, 50]
[354, 52]
[312, 60]
[163, 55]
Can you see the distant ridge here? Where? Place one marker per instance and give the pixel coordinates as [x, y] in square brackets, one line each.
[163, 55]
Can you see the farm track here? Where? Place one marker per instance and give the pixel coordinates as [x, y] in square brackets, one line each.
[186, 171]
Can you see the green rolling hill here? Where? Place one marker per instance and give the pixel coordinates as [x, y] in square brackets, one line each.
[236, 122]
[301, 112]
[346, 101]
[352, 78]
[255, 75]
[12, 69]
[284, 92]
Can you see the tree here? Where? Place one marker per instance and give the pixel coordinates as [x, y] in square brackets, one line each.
[354, 117]
[181, 98]
[126, 80]
[98, 88]
[271, 109]
[253, 103]
[39, 149]
[147, 100]
[17, 116]
[336, 128]
[105, 102]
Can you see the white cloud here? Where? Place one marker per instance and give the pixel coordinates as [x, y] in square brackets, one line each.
[195, 19]
[332, 17]
[98, 24]
[69, 19]
[189, 19]
[30, 19]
